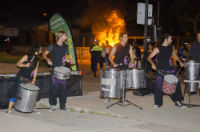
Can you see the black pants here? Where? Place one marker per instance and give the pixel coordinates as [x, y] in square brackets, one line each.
[96, 58]
[57, 89]
[158, 93]
[12, 93]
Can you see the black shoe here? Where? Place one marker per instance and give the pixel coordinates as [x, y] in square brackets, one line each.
[95, 74]
[64, 109]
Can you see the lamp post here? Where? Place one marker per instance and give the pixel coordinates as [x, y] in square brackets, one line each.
[145, 37]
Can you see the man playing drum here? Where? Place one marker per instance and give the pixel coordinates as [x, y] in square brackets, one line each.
[58, 52]
[164, 52]
[120, 52]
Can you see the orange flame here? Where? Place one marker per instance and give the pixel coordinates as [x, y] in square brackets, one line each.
[111, 28]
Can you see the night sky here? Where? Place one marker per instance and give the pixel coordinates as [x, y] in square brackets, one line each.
[174, 14]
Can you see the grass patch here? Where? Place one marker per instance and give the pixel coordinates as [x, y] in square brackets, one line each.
[41, 105]
[101, 114]
[8, 58]
[72, 110]
[13, 59]
[82, 111]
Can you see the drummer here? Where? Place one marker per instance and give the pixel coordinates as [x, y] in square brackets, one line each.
[28, 65]
[164, 51]
[58, 52]
[121, 53]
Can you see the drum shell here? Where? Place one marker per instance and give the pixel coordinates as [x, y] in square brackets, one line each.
[111, 83]
[26, 100]
[192, 70]
[192, 74]
[61, 76]
[61, 73]
[135, 79]
[192, 86]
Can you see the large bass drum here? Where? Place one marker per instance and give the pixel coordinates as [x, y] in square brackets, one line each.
[111, 83]
[192, 74]
[135, 79]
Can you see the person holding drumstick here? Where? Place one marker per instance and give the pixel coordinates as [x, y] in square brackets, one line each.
[28, 65]
[164, 52]
[59, 51]
[121, 53]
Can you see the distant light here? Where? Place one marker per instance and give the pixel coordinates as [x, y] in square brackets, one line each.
[44, 14]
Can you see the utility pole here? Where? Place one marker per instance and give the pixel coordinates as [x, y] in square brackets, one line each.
[145, 36]
[158, 13]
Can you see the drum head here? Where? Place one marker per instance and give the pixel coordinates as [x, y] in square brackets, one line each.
[171, 79]
[62, 69]
[29, 86]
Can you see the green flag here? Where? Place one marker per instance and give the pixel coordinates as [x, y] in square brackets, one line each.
[58, 23]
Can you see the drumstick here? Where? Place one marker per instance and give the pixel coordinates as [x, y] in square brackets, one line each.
[194, 81]
[32, 60]
[178, 71]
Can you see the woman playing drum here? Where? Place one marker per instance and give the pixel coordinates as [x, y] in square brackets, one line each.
[164, 53]
[28, 65]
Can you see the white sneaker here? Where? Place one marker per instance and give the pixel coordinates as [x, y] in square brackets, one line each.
[36, 112]
[107, 101]
[9, 111]
[180, 105]
[52, 108]
[156, 106]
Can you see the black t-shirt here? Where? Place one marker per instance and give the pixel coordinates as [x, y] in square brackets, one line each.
[57, 53]
[164, 58]
[27, 71]
[121, 55]
[195, 51]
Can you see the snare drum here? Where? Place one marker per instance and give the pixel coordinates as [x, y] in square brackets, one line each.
[61, 73]
[169, 84]
[111, 83]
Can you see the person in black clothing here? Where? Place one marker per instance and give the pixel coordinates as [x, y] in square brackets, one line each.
[28, 65]
[120, 52]
[164, 52]
[195, 50]
[58, 52]
[92, 58]
[96, 57]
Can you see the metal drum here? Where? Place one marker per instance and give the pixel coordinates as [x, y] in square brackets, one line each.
[192, 74]
[26, 97]
[135, 79]
[61, 73]
[111, 83]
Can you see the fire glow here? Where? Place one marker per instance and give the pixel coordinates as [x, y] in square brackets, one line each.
[109, 31]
